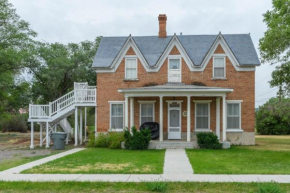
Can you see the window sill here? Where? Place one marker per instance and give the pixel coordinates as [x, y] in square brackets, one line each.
[116, 130]
[234, 130]
[203, 130]
[219, 79]
[131, 80]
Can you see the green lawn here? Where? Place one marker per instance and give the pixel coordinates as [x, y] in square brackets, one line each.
[105, 161]
[138, 187]
[270, 155]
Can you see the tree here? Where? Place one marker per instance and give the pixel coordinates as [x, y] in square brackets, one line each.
[275, 45]
[16, 52]
[59, 66]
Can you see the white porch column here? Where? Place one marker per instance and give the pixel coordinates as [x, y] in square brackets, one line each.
[188, 118]
[76, 126]
[47, 136]
[218, 118]
[85, 123]
[126, 112]
[96, 121]
[32, 135]
[224, 119]
[81, 126]
[161, 119]
[131, 112]
[40, 135]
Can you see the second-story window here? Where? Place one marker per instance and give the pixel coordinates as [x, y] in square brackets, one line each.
[174, 70]
[219, 66]
[131, 68]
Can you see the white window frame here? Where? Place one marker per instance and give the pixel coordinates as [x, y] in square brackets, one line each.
[195, 115]
[213, 66]
[240, 120]
[146, 102]
[117, 102]
[131, 58]
[174, 57]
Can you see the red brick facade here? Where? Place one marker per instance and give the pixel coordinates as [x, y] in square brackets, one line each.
[242, 82]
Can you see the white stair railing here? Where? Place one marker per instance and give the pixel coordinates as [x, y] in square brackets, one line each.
[81, 94]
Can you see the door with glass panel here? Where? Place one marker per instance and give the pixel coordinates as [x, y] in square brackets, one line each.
[174, 121]
[174, 70]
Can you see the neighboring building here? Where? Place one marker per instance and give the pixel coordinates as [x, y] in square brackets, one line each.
[186, 83]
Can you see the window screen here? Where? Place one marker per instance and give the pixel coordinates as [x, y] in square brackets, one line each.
[219, 67]
[117, 118]
[202, 116]
[131, 68]
[233, 116]
[146, 113]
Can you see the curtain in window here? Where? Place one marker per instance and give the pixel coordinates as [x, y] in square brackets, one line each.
[233, 116]
[202, 116]
[117, 116]
[131, 68]
[219, 65]
[146, 113]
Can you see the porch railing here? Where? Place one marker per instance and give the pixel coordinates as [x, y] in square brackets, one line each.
[81, 94]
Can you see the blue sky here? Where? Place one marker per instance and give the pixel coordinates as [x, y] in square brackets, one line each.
[78, 20]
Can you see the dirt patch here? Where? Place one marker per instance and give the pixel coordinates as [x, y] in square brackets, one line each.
[71, 168]
[12, 154]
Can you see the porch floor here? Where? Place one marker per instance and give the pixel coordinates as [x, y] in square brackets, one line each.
[172, 144]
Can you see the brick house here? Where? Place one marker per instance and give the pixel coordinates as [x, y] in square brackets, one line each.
[186, 83]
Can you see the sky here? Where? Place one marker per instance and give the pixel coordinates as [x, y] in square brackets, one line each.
[78, 20]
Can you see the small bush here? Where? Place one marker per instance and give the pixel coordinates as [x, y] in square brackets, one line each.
[269, 188]
[15, 123]
[139, 140]
[208, 140]
[157, 186]
[110, 140]
[92, 140]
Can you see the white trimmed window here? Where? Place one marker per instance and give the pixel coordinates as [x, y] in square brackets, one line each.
[234, 115]
[202, 115]
[131, 68]
[174, 69]
[147, 113]
[219, 66]
[117, 115]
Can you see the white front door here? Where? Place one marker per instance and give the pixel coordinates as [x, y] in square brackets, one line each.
[174, 121]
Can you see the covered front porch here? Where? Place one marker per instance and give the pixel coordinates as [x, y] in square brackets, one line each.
[181, 111]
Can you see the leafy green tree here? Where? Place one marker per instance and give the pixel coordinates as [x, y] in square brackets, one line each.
[16, 52]
[273, 118]
[59, 66]
[275, 45]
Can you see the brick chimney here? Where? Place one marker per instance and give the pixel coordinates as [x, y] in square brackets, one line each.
[162, 25]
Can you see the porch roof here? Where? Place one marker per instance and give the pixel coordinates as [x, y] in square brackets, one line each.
[173, 89]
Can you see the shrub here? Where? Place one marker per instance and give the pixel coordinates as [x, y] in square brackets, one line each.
[110, 140]
[92, 140]
[273, 118]
[157, 186]
[269, 188]
[15, 123]
[138, 140]
[208, 140]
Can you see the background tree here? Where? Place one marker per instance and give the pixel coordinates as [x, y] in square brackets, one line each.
[275, 45]
[59, 66]
[16, 52]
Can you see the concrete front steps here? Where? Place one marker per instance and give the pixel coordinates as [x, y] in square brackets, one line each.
[172, 144]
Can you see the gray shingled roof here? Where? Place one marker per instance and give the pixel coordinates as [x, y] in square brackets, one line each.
[196, 46]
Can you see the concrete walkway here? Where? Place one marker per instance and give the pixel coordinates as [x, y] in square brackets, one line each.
[176, 162]
[169, 175]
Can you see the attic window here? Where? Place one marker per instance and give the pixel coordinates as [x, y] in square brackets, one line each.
[131, 68]
[219, 66]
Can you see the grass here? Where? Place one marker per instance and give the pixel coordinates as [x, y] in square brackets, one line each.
[136, 187]
[271, 155]
[105, 161]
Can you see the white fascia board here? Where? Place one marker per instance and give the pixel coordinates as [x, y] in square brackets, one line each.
[175, 90]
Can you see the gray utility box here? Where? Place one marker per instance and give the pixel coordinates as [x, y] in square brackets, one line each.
[58, 140]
